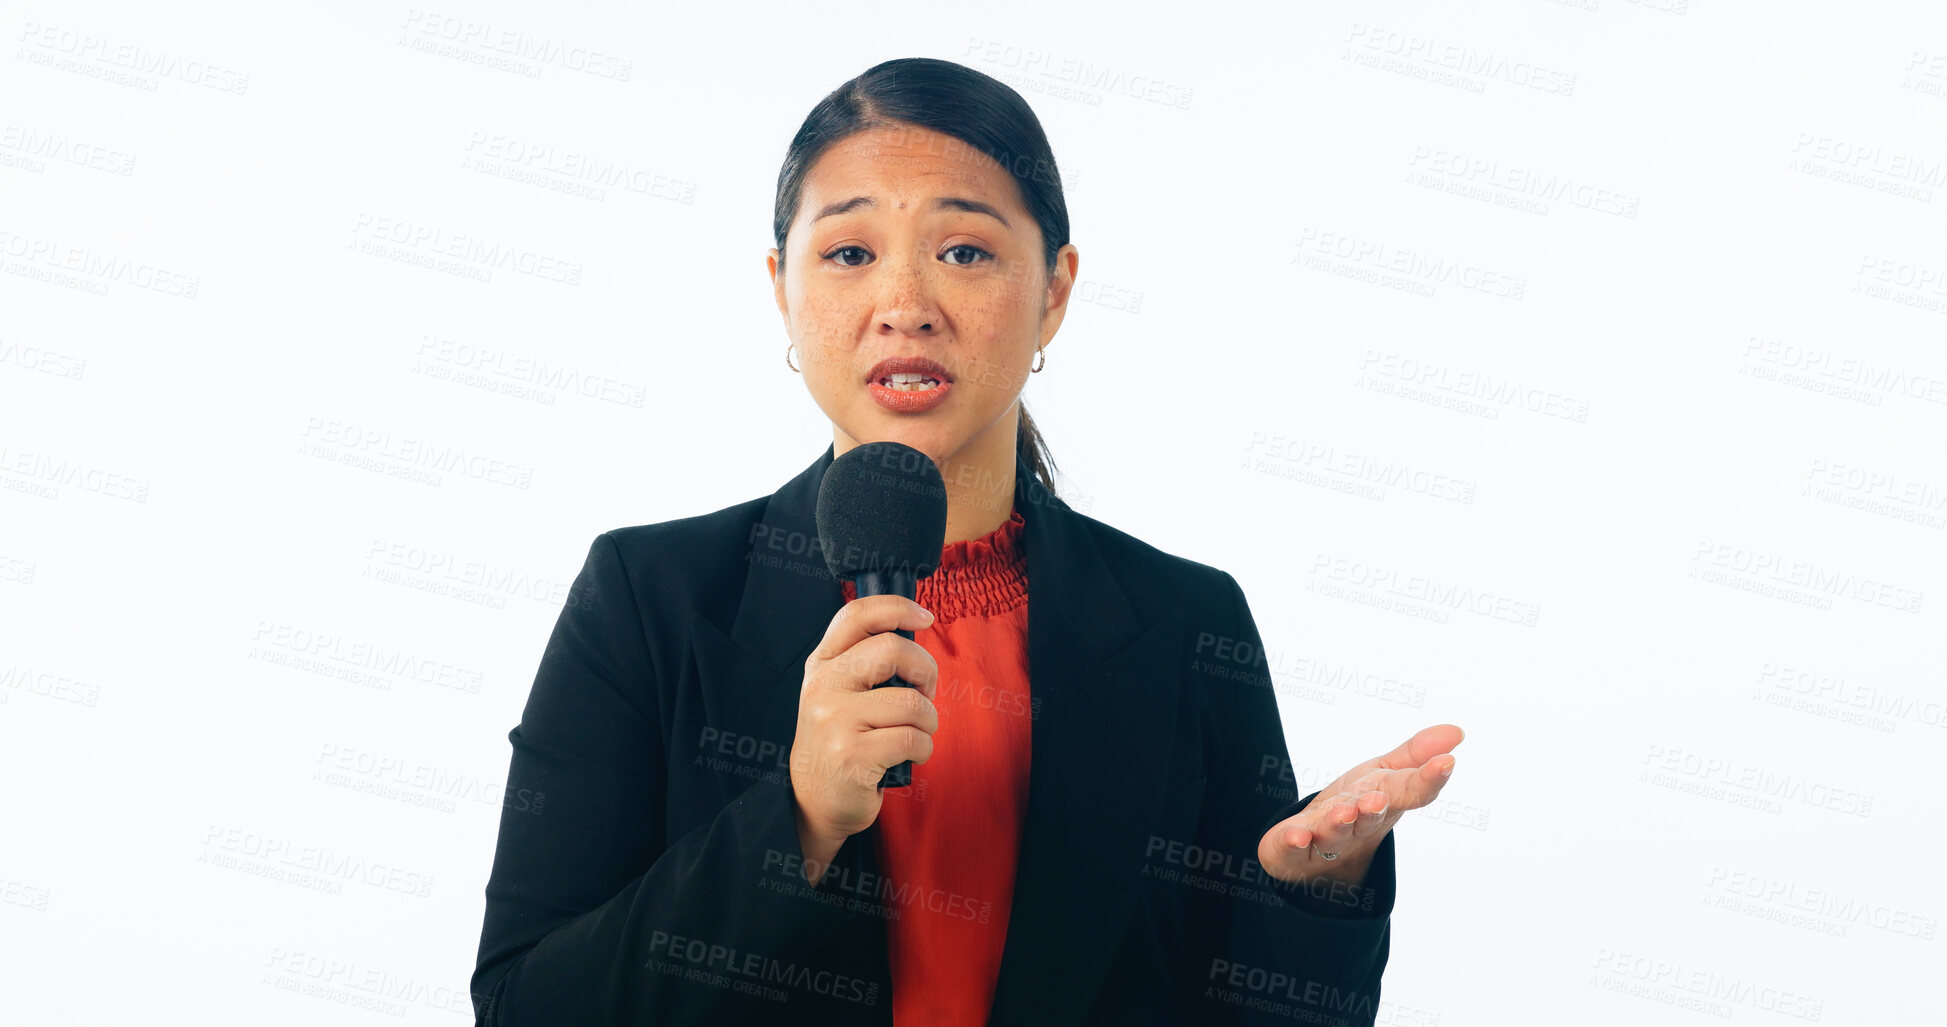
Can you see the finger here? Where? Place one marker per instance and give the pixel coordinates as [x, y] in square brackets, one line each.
[875, 660]
[1412, 787]
[1420, 786]
[1337, 826]
[1431, 778]
[1374, 808]
[1281, 845]
[869, 615]
[888, 746]
[1425, 744]
[894, 706]
[1310, 826]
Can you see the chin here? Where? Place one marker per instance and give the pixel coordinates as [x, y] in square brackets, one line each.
[934, 439]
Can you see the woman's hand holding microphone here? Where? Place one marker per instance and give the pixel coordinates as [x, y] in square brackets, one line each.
[848, 731]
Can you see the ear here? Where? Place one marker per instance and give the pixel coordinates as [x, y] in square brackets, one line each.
[1061, 285]
[777, 282]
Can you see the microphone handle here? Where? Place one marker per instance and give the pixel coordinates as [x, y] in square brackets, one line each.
[900, 774]
[878, 583]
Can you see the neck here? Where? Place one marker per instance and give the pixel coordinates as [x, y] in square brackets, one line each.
[979, 478]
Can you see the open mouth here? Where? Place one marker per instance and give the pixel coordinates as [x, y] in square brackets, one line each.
[908, 385]
[908, 374]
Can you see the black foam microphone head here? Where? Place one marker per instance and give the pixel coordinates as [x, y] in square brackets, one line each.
[882, 507]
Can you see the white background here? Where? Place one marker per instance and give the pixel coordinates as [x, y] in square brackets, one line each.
[1572, 372]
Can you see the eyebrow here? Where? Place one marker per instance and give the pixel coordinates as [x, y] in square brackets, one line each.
[940, 203]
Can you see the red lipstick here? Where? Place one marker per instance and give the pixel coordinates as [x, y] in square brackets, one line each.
[908, 385]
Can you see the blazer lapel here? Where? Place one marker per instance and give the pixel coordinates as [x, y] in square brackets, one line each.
[753, 674]
[1106, 689]
[790, 595]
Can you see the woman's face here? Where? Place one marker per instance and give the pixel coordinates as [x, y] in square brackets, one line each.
[908, 243]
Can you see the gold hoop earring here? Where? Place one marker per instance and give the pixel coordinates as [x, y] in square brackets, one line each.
[787, 357]
[1040, 360]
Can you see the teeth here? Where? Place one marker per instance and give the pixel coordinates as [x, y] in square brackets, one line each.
[910, 382]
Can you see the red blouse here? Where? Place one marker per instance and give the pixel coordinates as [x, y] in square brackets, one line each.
[947, 844]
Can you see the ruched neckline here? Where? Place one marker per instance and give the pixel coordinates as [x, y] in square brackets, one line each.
[977, 577]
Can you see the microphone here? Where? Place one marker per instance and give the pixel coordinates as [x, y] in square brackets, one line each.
[881, 526]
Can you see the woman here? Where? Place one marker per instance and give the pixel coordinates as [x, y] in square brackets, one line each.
[1100, 827]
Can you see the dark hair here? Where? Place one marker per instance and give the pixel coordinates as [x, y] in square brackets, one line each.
[953, 100]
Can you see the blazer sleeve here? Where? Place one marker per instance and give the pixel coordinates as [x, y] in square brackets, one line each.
[1273, 954]
[593, 917]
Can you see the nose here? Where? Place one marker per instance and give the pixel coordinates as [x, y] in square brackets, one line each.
[906, 305]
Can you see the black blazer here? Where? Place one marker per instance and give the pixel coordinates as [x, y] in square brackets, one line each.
[648, 873]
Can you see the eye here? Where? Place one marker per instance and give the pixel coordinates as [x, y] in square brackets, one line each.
[967, 246]
[845, 249]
